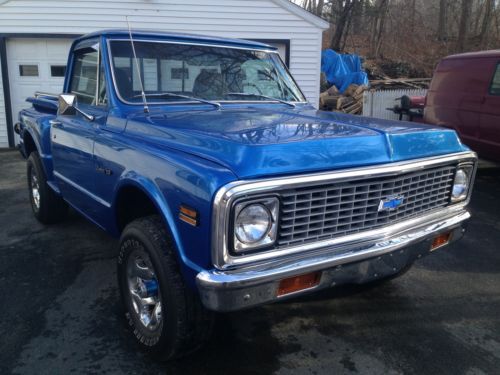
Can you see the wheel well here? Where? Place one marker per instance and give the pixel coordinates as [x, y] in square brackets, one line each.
[132, 203]
[29, 143]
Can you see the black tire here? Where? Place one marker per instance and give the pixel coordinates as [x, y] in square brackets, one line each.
[47, 206]
[185, 325]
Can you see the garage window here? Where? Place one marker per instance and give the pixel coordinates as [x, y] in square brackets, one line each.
[495, 83]
[179, 73]
[26, 70]
[57, 70]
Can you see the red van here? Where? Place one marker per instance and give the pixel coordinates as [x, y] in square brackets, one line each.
[465, 95]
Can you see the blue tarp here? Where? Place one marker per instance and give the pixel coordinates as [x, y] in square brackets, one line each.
[342, 70]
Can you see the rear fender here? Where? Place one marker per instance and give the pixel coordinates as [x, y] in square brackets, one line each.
[40, 134]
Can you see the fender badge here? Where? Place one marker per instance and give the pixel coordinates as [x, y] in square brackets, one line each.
[391, 203]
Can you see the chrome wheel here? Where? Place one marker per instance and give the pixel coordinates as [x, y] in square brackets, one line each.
[144, 290]
[35, 189]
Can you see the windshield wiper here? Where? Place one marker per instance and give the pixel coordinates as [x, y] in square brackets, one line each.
[171, 94]
[262, 96]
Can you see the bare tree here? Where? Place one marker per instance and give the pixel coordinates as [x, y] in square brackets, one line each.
[359, 13]
[415, 34]
[488, 13]
[309, 4]
[442, 33]
[314, 6]
[465, 14]
[378, 27]
[497, 24]
[413, 10]
[342, 19]
[319, 8]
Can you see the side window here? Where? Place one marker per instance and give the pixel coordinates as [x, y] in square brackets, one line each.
[495, 83]
[84, 75]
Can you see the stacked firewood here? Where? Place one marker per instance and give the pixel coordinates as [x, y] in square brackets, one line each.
[351, 101]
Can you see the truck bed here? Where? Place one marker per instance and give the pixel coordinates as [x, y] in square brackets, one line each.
[46, 103]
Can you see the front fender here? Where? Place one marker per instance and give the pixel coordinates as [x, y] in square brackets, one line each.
[167, 201]
[169, 179]
[152, 191]
[30, 132]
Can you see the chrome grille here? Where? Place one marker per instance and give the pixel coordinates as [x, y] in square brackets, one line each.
[330, 210]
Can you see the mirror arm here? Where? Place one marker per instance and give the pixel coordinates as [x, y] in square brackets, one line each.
[86, 115]
[67, 103]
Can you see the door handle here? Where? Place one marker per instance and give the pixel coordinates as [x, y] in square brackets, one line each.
[56, 124]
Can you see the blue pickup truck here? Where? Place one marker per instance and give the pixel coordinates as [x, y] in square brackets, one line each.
[226, 188]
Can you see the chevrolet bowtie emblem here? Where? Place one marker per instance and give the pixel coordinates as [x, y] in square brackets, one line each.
[391, 203]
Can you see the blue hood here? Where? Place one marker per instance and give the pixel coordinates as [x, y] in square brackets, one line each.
[264, 141]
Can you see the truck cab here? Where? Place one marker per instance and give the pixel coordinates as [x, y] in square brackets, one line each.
[225, 188]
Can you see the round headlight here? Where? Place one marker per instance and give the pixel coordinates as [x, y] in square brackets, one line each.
[253, 223]
[460, 185]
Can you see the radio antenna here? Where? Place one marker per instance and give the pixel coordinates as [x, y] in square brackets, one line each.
[144, 101]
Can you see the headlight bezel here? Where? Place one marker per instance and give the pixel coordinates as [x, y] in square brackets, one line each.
[469, 169]
[271, 204]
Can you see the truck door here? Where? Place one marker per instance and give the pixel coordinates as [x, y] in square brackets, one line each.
[490, 117]
[72, 136]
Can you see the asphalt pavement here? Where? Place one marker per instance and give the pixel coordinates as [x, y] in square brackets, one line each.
[61, 312]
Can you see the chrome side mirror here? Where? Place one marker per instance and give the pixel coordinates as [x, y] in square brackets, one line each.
[67, 103]
[68, 107]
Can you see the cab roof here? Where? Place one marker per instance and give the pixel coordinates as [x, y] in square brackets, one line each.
[475, 55]
[179, 37]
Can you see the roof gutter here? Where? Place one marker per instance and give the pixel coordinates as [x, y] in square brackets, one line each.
[302, 13]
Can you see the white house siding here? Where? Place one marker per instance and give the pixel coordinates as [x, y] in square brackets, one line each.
[259, 19]
[4, 142]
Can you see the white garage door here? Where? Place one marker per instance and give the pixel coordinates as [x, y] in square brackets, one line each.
[281, 49]
[35, 65]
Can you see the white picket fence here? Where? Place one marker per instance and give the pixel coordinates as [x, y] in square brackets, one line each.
[375, 103]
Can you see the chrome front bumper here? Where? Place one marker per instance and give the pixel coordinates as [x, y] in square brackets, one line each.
[355, 262]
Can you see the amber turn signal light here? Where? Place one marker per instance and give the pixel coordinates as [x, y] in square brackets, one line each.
[440, 240]
[297, 283]
[188, 215]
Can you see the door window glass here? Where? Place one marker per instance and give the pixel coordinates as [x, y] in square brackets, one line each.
[495, 84]
[84, 74]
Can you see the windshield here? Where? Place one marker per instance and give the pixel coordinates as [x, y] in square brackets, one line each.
[203, 72]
